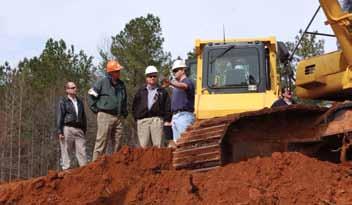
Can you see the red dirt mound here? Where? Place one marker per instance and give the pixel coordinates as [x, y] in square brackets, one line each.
[145, 176]
[105, 181]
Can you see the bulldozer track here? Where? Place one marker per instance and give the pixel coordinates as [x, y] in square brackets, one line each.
[199, 148]
[206, 144]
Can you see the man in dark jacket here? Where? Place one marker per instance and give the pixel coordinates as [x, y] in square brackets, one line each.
[71, 125]
[151, 109]
[108, 99]
[285, 99]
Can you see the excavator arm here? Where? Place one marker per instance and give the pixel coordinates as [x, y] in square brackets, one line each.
[340, 23]
[329, 76]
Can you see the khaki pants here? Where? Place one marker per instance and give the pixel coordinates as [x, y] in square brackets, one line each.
[109, 127]
[74, 139]
[150, 131]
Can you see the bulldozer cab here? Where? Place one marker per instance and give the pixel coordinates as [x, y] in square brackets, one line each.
[192, 70]
[236, 76]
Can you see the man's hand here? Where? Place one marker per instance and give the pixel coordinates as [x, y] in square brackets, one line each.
[165, 83]
[61, 136]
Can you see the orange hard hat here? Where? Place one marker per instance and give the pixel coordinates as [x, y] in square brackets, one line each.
[112, 66]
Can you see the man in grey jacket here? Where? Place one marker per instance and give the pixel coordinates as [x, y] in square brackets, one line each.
[108, 99]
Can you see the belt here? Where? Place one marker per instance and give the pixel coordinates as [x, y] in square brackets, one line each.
[152, 115]
[110, 112]
[75, 125]
[181, 110]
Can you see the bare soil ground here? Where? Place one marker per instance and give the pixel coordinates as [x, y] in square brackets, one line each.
[146, 176]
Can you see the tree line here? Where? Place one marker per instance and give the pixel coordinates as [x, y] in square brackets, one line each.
[30, 92]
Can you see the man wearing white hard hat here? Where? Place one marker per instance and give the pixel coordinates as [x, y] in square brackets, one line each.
[182, 101]
[151, 108]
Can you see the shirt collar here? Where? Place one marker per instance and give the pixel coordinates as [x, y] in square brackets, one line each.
[111, 80]
[149, 87]
[72, 99]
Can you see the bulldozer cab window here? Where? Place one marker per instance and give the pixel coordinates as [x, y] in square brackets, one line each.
[239, 67]
[192, 70]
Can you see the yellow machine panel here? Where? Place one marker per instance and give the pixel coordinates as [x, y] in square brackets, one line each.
[224, 104]
[329, 76]
[331, 81]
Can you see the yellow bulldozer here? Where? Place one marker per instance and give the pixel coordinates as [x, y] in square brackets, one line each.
[237, 81]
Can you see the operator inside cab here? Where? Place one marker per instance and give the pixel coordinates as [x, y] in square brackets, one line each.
[234, 71]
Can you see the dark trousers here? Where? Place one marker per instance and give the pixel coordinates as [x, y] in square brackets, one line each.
[168, 133]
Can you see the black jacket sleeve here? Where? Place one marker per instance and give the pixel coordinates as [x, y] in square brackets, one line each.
[275, 104]
[278, 103]
[92, 103]
[167, 107]
[124, 111]
[93, 96]
[60, 115]
[84, 119]
[135, 101]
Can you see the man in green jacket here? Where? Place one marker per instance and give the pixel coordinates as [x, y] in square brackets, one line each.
[108, 99]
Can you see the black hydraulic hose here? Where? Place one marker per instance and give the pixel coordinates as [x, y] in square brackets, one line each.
[305, 31]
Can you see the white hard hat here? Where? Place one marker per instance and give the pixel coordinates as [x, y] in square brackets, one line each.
[178, 64]
[151, 69]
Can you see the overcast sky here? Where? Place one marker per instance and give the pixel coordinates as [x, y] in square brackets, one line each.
[25, 25]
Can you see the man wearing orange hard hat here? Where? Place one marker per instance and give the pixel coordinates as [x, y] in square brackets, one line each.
[108, 99]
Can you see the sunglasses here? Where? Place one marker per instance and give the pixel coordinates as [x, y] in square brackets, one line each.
[176, 70]
[71, 88]
[152, 76]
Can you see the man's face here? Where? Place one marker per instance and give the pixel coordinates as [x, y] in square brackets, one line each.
[115, 75]
[287, 93]
[178, 73]
[71, 88]
[152, 79]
